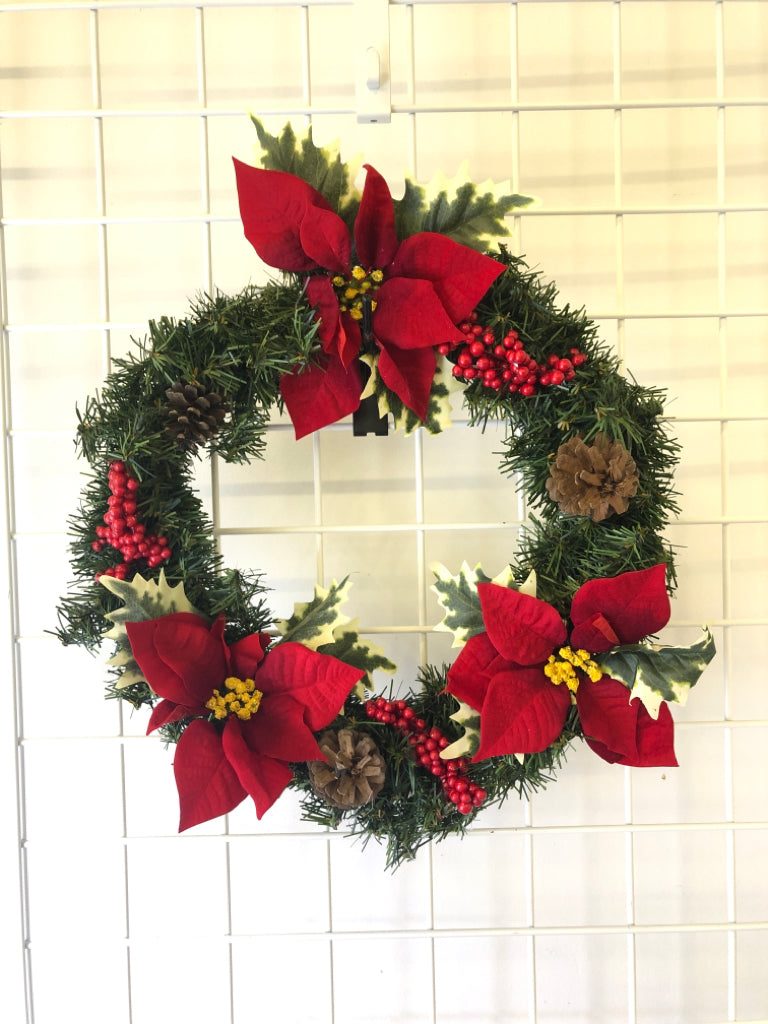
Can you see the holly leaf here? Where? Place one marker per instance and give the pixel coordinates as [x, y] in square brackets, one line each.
[142, 600]
[319, 166]
[468, 744]
[469, 213]
[458, 596]
[313, 623]
[438, 412]
[349, 648]
[655, 674]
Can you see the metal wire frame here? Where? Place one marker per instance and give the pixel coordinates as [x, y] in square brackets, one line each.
[727, 826]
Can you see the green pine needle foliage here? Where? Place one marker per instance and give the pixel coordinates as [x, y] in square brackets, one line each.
[238, 346]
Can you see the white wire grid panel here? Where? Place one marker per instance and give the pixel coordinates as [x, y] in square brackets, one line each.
[617, 895]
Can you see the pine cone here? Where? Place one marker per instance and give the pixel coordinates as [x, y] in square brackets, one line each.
[595, 479]
[194, 414]
[353, 771]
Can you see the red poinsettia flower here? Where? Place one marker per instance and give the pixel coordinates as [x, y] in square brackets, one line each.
[400, 298]
[253, 714]
[520, 674]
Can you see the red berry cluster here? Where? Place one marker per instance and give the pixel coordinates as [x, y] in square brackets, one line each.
[123, 529]
[505, 365]
[427, 744]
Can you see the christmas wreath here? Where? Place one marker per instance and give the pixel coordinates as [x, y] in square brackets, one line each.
[383, 307]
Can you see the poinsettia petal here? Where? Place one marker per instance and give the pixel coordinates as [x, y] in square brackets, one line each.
[349, 340]
[181, 656]
[318, 682]
[246, 655]
[375, 238]
[594, 634]
[654, 742]
[166, 712]
[655, 738]
[278, 730]
[522, 628]
[523, 713]
[263, 778]
[206, 781]
[470, 675]
[607, 716]
[320, 294]
[460, 275]
[409, 373]
[325, 239]
[636, 603]
[273, 207]
[409, 314]
[320, 395]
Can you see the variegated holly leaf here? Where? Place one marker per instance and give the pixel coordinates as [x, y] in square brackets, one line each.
[142, 600]
[656, 673]
[458, 596]
[469, 213]
[320, 166]
[313, 623]
[468, 744]
[438, 411]
[349, 648]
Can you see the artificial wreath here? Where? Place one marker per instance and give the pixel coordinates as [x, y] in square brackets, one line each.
[383, 307]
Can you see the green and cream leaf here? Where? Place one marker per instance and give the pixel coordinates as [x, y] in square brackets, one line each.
[349, 648]
[655, 674]
[467, 744]
[319, 166]
[468, 213]
[314, 622]
[458, 596]
[142, 600]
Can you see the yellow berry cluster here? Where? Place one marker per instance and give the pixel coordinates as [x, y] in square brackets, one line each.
[565, 671]
[351, 292]
[241, 699]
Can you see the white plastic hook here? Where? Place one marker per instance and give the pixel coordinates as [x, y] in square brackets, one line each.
[372, 67]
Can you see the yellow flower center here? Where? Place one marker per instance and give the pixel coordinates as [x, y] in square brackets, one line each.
[564, 670]
[351, 291]
[240, 698]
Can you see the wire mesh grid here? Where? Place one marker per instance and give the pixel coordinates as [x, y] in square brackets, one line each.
[674, 872]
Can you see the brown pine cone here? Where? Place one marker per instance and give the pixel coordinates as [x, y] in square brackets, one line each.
[353, 771]
[194, 414]
[595, 479]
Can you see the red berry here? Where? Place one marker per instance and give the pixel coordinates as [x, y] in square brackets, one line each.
[557, 377]
[444, 349]
[457, 371]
